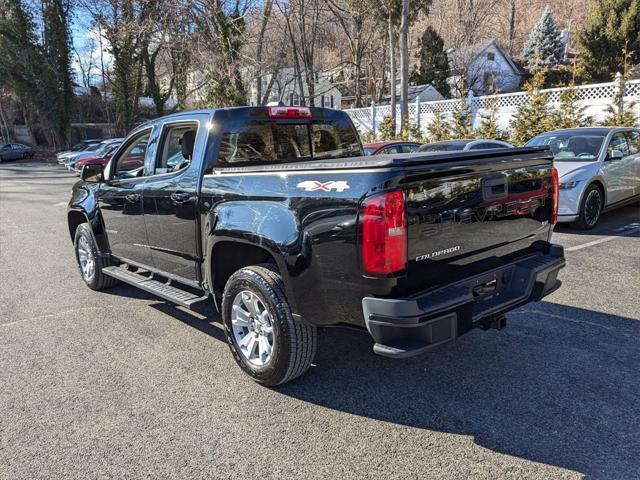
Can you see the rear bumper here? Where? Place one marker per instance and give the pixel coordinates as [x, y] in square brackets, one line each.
[409, 326]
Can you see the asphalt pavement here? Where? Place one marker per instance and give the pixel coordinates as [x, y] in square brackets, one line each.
[119, 384]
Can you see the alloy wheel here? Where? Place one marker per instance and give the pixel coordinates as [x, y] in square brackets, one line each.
[252, 328]
[592, 207]
[86, 259]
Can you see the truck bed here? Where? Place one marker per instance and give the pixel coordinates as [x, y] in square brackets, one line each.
[403, 160]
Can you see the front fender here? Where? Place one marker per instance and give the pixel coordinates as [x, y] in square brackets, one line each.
[83, 202]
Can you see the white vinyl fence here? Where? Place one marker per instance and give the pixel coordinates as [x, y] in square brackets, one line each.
[595, 98]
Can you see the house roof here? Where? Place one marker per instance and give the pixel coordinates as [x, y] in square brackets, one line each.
[414, 91]
[460, 58]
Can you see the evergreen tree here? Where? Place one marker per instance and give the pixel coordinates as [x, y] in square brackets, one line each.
[621, 117]
[387, 129]
[20, 58]
[461, 122]
[489, 126]
[533, 117]
[439, 129]
[611, 38]
[434, 63]
[544, 48]
[570, 114]
[56, 96]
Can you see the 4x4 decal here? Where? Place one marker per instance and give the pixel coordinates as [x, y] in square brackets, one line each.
[314, 185]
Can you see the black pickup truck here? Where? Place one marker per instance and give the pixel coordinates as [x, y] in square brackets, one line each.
[276, 215]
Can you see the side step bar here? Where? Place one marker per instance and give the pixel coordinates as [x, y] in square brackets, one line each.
[161, 289]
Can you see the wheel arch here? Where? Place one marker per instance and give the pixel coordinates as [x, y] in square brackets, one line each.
[225, 256]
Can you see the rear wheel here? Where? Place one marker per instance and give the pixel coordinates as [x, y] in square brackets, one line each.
[590, 208]
[90, 261]
[266, 341]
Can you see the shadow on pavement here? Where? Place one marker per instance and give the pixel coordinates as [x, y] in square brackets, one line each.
[559, 386]
[611, 223]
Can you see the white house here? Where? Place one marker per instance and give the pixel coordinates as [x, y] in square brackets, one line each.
[484, 68]
[286, 88]
[425, 93]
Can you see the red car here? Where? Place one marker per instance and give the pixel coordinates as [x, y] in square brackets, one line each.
[101, 159]
[396, 146]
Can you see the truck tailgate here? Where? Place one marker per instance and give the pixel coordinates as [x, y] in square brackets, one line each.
[467, 217]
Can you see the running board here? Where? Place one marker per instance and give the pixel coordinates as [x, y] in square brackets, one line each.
[161, 289]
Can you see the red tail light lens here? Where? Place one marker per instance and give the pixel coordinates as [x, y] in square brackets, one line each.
[384, 233]
[289, 112]
[555, 199]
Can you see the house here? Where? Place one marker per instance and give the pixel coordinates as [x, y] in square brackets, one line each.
[284, 87]
[484, 68]
[425, 93]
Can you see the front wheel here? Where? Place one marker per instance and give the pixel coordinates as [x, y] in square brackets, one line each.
[90, 261]
[590, 208]
[266, 341]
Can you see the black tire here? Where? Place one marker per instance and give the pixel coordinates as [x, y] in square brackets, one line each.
[590, 208]
[97, 281]
[294, 343]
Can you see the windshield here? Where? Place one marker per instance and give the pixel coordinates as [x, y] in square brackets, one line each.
[103, 148]
[570, 146]
[369, 150]
[265, 141]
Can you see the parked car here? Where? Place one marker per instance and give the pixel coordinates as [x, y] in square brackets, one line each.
[15, 151]
[101, 159]
[275, 214]
[99, 152]
[382, 148]
[85, 145]
[464, 145]
[599, 170]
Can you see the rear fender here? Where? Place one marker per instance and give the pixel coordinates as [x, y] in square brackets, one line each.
[267, 225]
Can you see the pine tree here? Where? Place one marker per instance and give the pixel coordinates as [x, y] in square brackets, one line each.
[461, 121]
[533, 117]
[439, 129]
[612, 31]
[570, 114]
[387, 130]
[621, 117]
[434, 63]
[544, 48]
[489, 126]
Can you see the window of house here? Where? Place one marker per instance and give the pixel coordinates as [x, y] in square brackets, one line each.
[491, 56]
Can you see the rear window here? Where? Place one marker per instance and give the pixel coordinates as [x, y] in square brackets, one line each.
[265, 141]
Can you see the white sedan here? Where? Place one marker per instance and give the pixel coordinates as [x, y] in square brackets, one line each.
[599, 170]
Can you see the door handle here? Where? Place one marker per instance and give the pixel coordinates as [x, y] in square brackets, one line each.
[132, 197]
[180, 197]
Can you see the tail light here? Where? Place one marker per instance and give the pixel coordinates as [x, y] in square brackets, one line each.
[384, 233]
[289, 112]
[555, 200]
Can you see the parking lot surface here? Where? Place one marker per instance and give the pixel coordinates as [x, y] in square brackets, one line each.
[121, 384]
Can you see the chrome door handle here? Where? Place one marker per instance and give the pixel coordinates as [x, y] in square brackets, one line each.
[132, 197]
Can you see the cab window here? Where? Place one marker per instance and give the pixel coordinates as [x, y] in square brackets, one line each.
[130, 163]
[176, 149]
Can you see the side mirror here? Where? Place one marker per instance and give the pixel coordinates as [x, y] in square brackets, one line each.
[92, 173]
[615, 155]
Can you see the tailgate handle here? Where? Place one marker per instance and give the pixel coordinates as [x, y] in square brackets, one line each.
[495, 188]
